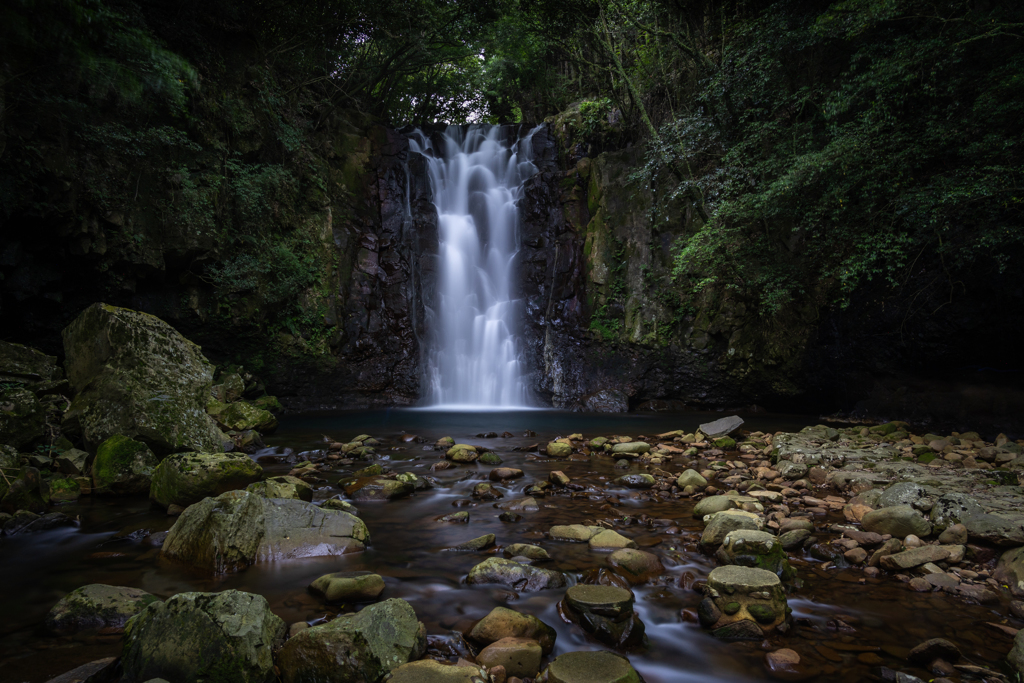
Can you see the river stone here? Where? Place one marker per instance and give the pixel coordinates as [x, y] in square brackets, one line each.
[22, 417]
[237, 528]
[123, 466]
[503, 622]
[952, 508]
[691, 478]
[503, 473]
[187, 478]
[134, 375]
[478, 543]
[927, 652]
[521, 577]
[904, 493]
[345, 506]
[792, 470]
[520, 656]
[348, 587]
[713, 504]
[747, 593]
[228, 636]
[631, 448]
[433, 671]
[791, 540]
[574, 533]
[97, 606]
[636, 566]
[527, 504]
[915, 557]
[899, 521]
[998, 529]
[73, 461]
[1010, 571]
[605, 612]
[241, 416]
[636, 481]
[606, 539]
[749, 548]
[557, 449]
[462, 452]
[27, 492]
[355, 648]
[490, 458]
[589, 667]
[721, 427]
[530, 552]
[726, 521]
[379, 490]
[486, 491]
[282, 487]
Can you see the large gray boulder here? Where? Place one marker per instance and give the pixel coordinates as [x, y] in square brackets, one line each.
[355, 648]
[25, 365]
[238, 528]
[187, 478]
[135, 375]
[227, 637]
[1000, 529]
[1016, 656]
[953, 508]
[97, 606]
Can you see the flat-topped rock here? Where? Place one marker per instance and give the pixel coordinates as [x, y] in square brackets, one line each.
[721, 427]
[605, 612]
[474, 544]
[915, 557]
[713, 504]
[556, 449]
[636, 481]
[503, 473]
[722, 523]
[590, 667]
[528, 504]
[187, 478]
[607, 600]
[530, 552]
[736, 593]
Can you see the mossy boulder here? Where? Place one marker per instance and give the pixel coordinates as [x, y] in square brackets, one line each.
[269, 403]
[27, 491]
[22, 417]
[64, 490]
[187, 478]
[238, 528]
[123, 466]
[355, 648]
[227, 637]
[557, 449]
[589, 667]
[97, 606]
[135, 375]
[749, 548]
[282, 487]
[240, 416]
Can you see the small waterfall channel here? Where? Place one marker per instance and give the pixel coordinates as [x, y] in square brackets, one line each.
[472, 358]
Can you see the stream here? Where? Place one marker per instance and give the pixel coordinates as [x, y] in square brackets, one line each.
[846, 625]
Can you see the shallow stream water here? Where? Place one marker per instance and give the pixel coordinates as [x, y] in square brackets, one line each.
[846, 625]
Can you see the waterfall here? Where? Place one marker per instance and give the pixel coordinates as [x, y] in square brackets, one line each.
[471, 357]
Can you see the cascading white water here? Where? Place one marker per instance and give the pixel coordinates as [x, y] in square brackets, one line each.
[472, 357]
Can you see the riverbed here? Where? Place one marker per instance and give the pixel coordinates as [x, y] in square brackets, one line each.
[846, 625]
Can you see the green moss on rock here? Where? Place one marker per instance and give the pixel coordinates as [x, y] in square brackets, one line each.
[123, 466]
[187, 478]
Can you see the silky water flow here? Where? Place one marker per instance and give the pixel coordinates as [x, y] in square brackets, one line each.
[472, 356]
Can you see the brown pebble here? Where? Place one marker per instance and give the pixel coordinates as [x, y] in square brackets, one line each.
[870, 658]
[919, 584]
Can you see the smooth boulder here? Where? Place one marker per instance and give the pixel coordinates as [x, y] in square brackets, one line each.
[228, 636]
[135, 375]
[503, 622]
[898, 521]
[348, 587]
[589, 667]
[521, 577]
[282, 487]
